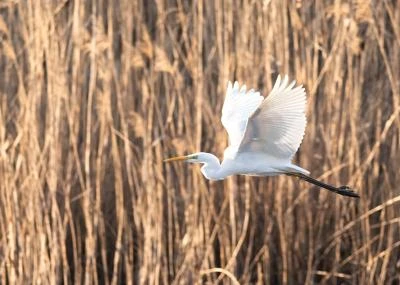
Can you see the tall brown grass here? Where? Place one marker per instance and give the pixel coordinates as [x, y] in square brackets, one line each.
[94, 94]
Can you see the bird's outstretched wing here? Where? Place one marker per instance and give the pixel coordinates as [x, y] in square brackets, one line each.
[237, 108]
[277, 126]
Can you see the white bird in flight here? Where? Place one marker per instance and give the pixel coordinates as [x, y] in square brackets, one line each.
[264, 134]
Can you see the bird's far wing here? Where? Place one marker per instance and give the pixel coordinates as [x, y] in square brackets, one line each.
[237, 108]
[277, 126]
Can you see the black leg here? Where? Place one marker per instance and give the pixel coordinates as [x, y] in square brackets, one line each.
[342, 190]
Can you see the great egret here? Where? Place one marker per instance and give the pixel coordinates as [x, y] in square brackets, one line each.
[264, 134]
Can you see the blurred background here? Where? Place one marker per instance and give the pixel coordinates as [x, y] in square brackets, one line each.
[94, 94]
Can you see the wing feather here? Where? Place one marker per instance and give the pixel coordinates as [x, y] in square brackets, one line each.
[277, 126]
[237, 108]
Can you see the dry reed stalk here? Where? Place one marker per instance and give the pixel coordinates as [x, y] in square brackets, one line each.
[96, 93]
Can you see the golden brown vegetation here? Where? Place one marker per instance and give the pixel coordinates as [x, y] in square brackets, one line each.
[94, 94]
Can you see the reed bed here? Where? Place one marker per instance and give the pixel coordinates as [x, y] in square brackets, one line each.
[94, 94]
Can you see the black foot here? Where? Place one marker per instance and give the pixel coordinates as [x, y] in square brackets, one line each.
[347, 191]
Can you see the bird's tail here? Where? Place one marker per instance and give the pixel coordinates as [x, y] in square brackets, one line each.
[342, 190]
[296, 169]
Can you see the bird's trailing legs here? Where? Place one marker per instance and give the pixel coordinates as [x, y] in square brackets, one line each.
[342, 190]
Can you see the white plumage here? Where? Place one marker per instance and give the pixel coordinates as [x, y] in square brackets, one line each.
[274, 125]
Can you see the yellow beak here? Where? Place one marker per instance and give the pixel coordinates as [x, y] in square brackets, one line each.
[177, 158]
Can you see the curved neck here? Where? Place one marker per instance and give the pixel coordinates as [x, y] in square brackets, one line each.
[211, 168]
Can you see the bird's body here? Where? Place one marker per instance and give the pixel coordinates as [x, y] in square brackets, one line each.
[238, 163]
[264, 134]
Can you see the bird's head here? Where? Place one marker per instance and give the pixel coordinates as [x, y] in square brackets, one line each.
[211, 166]
[198, 157]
